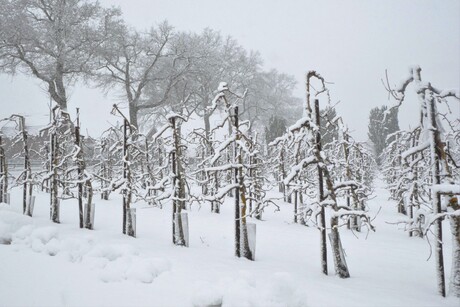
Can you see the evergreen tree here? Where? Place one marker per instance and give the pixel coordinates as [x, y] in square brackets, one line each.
[380, 127]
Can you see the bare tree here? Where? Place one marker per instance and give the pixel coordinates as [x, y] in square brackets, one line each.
[174, 187]
[140, 62]
[52, 40]
[305, 134]
[25, 178]
[433, 141]
[127, 182]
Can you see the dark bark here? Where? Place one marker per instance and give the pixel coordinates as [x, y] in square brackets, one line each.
[436, 198]
[128, 228]
[237, 190]
[89, 206]
[455, 275]
[27, 185]
[3, 174]
[282, 173]
[245, 250]
[295, 206]
[178, 187]
[321, 193]
[54, 201]
[80, 176]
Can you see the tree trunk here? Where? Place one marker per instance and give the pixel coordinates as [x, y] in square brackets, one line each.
[179, 167]
[54, 201]
[245, 250]
[3, 174]
[127, 193]
[237, 190]
[178, 231]
[455, 275]
[295, 206]
[341, 268]
[436, 198]
[80, 176]
[207, 148]
[56, 88]
[282, 173]
[89, 208]
[133, 110]
[215, 205]
[321, 192]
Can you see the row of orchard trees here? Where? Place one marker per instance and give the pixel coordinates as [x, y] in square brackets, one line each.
[421, 167]
[155, 168]
[63, 163]
[324, 179]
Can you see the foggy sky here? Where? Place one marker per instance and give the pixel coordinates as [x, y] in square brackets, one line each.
[350, 43]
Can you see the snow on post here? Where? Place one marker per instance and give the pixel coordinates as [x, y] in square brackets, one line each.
[426, 168]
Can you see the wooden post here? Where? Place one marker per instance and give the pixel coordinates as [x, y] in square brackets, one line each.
[3, 175]
[282, 173]
[237, 189]
[321, 193]
[79, 170]
[54, 209]
[251, 175]
[127, 214]
[26, 164]
[174, 202]
[295, 206]
[436, 198]
[178, 229]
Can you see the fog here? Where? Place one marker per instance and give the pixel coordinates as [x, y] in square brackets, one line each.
[350, 43]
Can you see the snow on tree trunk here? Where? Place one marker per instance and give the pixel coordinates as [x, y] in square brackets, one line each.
[341, 268]
[178, 188]
[80, 174]
[436, 170]
[54, 201]
[27, 172]
[436, 198]
[131, 222]
[322, 215]
[128, 216]
[3, 175]
[245, 250]
[237, 189]
[455, 275]
[89, 207]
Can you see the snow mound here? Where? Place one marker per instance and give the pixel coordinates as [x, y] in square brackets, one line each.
[246, 290]
[45, 240]
[75, 248]
[10, 222]
[112, 252]
[139, 269]
[116, 262]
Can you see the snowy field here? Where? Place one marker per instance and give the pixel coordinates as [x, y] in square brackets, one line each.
[46, 264]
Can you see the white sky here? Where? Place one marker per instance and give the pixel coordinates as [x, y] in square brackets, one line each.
[350, 43]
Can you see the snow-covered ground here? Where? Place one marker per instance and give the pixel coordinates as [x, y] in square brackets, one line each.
[46, 264]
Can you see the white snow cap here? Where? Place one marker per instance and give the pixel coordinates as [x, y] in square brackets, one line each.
[223, 86]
